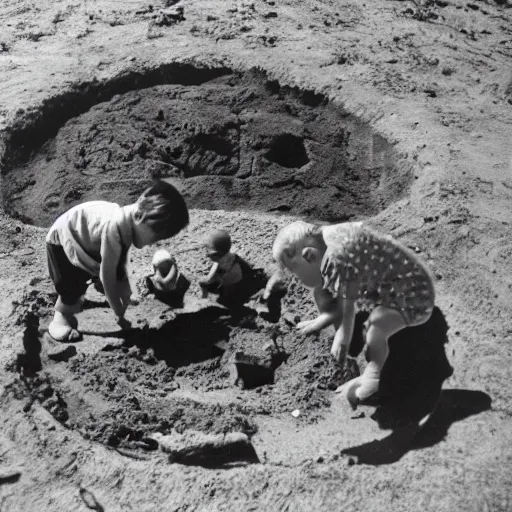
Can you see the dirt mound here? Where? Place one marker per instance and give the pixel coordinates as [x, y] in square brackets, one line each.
[179, 375]
[235, 142]
[165, 378]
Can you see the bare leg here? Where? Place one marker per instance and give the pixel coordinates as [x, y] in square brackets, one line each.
[382, 323]
[64, 323]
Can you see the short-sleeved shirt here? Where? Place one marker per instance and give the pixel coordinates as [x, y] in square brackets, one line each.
[381, 270]
[91, 233]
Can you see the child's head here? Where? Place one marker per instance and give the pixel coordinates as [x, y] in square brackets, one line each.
[300, 247]
[161, 213]
[218, 244]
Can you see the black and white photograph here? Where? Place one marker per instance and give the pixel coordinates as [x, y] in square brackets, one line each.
[256, 255]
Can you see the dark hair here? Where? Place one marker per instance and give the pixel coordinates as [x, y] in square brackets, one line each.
[220, 241]
[163, 209]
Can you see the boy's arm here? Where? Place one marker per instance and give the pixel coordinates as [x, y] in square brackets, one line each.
[110, 256]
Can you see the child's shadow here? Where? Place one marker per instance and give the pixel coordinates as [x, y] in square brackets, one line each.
[410, 391]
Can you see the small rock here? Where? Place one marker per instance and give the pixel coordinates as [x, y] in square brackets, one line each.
[351, 461]
[9, 475]
[208, 450]
[296, 413]
[291, 319]
[147, 443]
[357, 416]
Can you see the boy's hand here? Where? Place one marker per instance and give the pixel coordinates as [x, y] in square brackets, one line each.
[125, 292]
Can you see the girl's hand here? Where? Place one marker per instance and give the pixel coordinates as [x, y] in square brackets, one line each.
[339, 352]
[309, 326]
[320, 322]
[275, 285]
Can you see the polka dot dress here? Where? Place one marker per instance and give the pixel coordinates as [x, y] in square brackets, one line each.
[385, 272]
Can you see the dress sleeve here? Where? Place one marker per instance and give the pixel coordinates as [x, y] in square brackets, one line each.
[342, 261]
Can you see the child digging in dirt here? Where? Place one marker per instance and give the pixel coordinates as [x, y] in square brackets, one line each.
[167, 283]
[225, 275]
[92, 239]
[348, 264]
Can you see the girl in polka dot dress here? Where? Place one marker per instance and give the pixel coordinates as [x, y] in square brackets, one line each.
[350, 265]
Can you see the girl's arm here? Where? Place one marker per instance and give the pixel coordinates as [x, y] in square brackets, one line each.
[276, 283]
[330, 312]
[345, 330]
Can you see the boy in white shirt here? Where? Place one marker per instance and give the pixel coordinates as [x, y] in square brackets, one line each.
[93, 238]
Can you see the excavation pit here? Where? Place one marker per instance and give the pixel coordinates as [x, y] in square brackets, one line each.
[233, 142]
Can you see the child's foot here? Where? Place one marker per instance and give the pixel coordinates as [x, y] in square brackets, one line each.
[359, 390]
[63, 327]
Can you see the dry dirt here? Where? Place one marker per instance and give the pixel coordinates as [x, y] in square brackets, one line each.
[397, 112]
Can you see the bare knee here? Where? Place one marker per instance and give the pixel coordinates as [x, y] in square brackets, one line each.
[385, 321]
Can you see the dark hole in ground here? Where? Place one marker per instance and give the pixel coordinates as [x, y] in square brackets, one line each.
[227, 141]
[288, 151]
[189, 338]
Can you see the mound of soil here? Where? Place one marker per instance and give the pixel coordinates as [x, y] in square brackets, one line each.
[235, 142]
[165, 378]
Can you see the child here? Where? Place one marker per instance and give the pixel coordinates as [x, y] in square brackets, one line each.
[167, 283]
[93, 238]
[351, 263]
[226, 272]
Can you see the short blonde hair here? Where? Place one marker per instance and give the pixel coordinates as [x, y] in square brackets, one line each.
[292, 238]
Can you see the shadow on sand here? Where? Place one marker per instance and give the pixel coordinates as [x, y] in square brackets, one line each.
[411, 402]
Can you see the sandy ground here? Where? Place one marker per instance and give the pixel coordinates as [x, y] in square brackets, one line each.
[433, 80]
